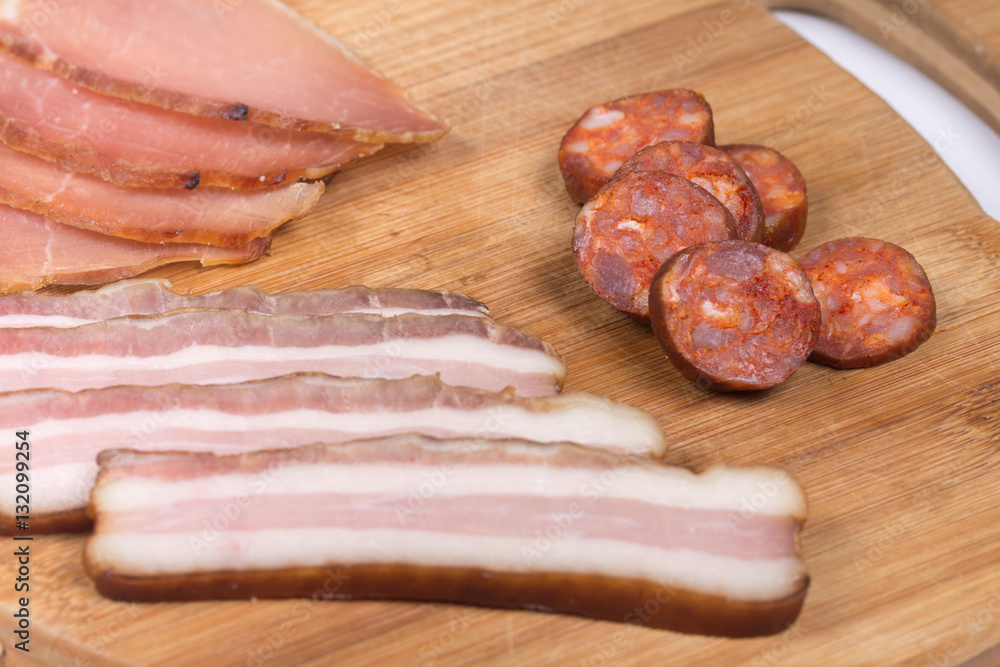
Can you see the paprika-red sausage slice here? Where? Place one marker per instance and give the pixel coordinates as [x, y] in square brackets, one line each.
[608, 134]
[634, 224]
[734, 315]
[782, 192]
[876, 300]
[713, 170]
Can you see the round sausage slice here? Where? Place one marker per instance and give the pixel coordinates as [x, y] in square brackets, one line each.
[734, 315]
[608, 134]
[713, 170]
[782, 192]
[877, 302]
[633, 225]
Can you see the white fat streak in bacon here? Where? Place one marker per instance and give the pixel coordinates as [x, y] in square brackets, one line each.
[152, 296]
[394, 360]
[25, 320]
[152, 554]
[615, 427]
[574, 417]
[766, 491]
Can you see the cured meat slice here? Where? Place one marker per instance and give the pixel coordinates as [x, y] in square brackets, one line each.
[877, 303]
[506, 524]
[634, 224]
[609, 134]
[253, 60]
[734, 315]
[153, 297]
[69, 430]
[206, 346]
[216, 216]
[138, 145]
[38, 252]
[713, 170]
[782, 191]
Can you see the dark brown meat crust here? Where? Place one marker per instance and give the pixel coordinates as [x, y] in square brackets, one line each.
[599, 597]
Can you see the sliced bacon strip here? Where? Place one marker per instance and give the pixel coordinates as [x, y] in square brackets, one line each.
[253, 60]
[507, 524]
[37, 251]
[216, 216]
[69, 430]
[138, 145]
[207, 346]
[154, 297]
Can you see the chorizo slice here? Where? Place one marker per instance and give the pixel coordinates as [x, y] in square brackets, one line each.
[782, 191]
[713, 170]
[634, 224]
[876, 300]
[734, 315]
[608, 134]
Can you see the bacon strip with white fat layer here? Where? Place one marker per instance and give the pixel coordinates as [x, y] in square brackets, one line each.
[68, 430]
[153, 297]
[209, 346]
[508, 524]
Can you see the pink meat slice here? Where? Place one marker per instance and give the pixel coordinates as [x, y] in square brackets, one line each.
[138, 145]
[152, 297]
[208, 346]
[217, 216]
[38, 251]
[576, 527]
[251, 60]
[69, 429]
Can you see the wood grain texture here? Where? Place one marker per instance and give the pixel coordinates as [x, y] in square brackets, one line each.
[955, 42]
[900, 462]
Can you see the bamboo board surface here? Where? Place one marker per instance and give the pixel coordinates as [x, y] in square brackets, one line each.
[955, 42]
[900, 462]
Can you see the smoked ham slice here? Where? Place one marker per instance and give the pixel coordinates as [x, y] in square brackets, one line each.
[216, 216]
[69, 430]
[507, 524]
[153, 297]
[209, 346]
[38, 251]
[137, 145]
[251, 60]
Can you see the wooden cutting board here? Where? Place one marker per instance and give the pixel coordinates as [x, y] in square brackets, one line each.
[901, 462]
[955, 42]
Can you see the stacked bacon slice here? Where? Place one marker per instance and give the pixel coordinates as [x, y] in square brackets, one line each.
[449, 465]
[172, 131]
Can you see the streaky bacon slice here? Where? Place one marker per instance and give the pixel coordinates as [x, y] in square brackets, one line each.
[251, 60]
[208, 346]
[152, 297]
[216, 216]
[68, 430]
[137, 145]
[38, 251]
[512, 524]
